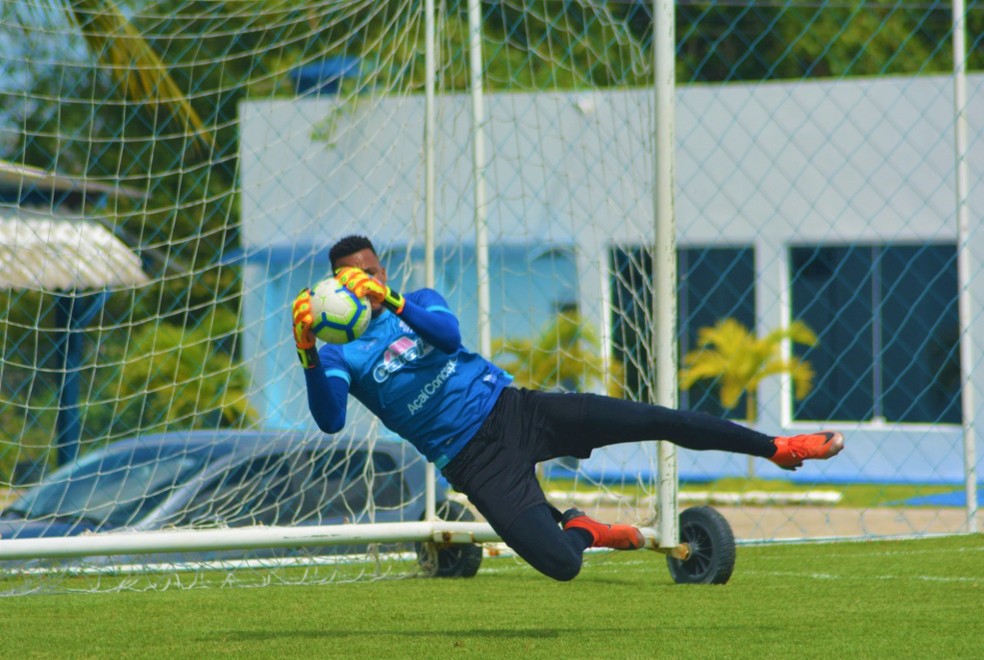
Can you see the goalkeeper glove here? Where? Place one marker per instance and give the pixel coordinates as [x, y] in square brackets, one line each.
[362, 285]
[303, 337]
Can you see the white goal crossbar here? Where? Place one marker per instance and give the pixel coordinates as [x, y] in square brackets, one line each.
[119, 543]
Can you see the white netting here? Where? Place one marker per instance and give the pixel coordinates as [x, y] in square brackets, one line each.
[173, 172]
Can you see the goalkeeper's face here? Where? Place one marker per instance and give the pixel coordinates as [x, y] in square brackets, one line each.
[367, 261]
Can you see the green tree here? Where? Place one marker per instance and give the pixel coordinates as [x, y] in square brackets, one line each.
[737, 361]
[862, 40]
[564, 356]
[175, 377]
[140, 75]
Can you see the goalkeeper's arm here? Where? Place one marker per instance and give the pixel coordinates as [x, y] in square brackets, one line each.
[435, 323]
[327, 396]
[327, 399]
[428, 316]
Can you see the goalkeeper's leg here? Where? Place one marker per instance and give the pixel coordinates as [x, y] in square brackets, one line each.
[582, 422]
[497, 472]
[535, 536]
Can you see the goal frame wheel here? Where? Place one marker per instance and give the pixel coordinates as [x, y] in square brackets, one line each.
[710, 544]
[450, 560]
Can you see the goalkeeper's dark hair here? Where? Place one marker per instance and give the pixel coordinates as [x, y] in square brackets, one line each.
[349, 245]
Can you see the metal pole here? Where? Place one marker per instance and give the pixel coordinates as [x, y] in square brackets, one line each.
[478, 149]
[430, 78]
[72, 312]
[964, 258]
[245, 538]
[605, 322]
[68, 349]
[664, 258]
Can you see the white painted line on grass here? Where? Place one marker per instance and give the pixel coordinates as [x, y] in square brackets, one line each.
[858, 578]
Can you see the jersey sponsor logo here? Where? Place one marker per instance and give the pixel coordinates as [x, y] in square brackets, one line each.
[401, 352]
[433, 387]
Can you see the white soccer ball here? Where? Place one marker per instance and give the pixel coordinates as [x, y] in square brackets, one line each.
[339, 316]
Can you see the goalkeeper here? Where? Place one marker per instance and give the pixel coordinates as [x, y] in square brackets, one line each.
[410, 369]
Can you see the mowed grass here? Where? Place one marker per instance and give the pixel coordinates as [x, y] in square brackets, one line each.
[921, 598]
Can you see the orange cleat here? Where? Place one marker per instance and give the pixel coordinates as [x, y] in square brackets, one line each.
[792, 451]
[619, 537]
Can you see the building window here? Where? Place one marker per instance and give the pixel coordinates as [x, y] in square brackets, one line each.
[886, 318]
[712, 284]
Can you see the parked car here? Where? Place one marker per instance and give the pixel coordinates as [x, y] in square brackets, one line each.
[210, 479]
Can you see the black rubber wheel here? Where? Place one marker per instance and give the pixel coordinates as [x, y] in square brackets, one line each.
[712, 548]
[450, 560]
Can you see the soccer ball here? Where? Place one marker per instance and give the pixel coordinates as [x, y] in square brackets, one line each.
[339, 316]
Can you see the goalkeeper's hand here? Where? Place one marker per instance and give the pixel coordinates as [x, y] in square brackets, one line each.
[362, 285]
[303, 319]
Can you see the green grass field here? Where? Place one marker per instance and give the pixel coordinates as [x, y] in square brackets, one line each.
[882, 599]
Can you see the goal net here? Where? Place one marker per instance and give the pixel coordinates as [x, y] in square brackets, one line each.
[173, 172]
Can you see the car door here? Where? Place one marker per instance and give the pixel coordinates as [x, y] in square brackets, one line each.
[251, 493]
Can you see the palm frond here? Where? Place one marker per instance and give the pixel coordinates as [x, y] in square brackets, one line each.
[566, 350]
[702, 365]
[731, 392]
[132, 61]
[727, 335]
[797, 332]
[802, 374]
[738, 361]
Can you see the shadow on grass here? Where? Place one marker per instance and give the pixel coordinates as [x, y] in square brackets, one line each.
[492, 633]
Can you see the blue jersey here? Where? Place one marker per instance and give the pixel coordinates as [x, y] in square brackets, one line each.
[435, 399]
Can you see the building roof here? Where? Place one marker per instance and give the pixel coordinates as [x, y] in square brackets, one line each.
[55, 249]
[61, 254]
[14, 176]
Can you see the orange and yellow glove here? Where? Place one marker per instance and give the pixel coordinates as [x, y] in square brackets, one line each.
[303, 336]
[362, 285]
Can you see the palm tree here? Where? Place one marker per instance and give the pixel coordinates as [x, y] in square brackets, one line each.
[738, 361]
[142, 75]
[565, 355]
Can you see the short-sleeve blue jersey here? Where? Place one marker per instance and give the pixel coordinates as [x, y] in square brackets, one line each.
[434, 399]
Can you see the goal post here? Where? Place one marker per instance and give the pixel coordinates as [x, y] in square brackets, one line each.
[665, 253]
[196, 540]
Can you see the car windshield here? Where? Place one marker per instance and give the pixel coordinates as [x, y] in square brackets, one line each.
[112, 489]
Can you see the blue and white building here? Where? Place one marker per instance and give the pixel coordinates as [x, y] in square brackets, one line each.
[829, 202]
